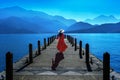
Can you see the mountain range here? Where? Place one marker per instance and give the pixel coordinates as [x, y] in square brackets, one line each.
[102, 19]
[100, 24]
[19, 20]
[81, 27]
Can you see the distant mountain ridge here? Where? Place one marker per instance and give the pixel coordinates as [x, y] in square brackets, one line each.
[68, 22]
[32, 21]
[16, 25]
[104, 28]
[102, 19]
[20, 12]
[79, 26]
[19, 20]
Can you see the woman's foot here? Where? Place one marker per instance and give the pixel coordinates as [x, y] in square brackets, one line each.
[53, 63]
[53, 68]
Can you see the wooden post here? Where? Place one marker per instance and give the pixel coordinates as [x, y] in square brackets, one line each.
[9, 66]
[65, 36]
[106, 66]
[72, 41]
[83, 52]
[68, 38]
[48, 41]
[44, 43]
[87, 53]
[80, 49]
[30, 53]
[52, 38]
[39, 48]
[75, 44]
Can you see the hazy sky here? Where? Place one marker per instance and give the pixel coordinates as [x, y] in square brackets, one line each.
[76, 9]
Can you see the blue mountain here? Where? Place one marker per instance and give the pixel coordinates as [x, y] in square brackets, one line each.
[35, 20]
[104, 28]
[17, 25]
[102, 19]
[79, 26]
[68, 22]
[20, 12]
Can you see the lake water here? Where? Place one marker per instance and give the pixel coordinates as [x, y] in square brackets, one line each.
[99, 43]
[18, 45]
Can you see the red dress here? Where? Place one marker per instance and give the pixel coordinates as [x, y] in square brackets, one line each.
[61, 46]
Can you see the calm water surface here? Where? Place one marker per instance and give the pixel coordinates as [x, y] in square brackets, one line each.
[101, 43]
[18, 45]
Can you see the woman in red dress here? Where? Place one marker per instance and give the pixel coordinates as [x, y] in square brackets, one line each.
[61, 46]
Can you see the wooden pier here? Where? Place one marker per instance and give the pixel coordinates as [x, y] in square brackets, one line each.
[75, 65]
